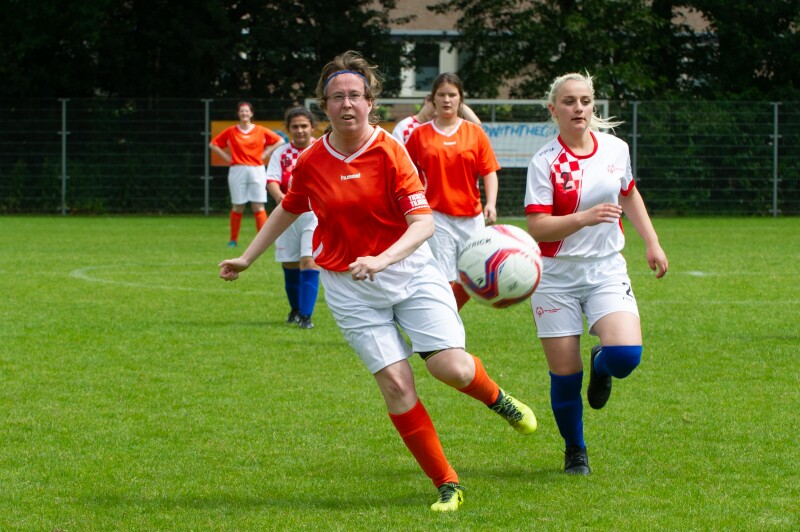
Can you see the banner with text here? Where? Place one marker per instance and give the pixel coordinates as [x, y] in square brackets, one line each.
[515, 143]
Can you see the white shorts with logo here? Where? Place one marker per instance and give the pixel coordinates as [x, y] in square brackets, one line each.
[247, 183]
[297, 240]
[452, 232]
[411, 295]
[570, 289]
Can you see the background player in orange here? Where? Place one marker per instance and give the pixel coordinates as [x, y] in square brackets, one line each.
[248, 146]
[379, 274]
[451, 154]
[294, 248]
[402, 130]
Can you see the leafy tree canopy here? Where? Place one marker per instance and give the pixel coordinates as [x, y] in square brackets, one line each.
[159, 48]
[636, 49]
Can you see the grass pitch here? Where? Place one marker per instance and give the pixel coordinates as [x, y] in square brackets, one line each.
[140, 392]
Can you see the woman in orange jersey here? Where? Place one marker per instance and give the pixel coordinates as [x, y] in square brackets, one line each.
[379, 275]
[248, 146]
[451, 154]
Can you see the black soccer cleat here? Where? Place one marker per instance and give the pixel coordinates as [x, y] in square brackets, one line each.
[576, 461]
[304, 322]
[599, 389]
[293, 317]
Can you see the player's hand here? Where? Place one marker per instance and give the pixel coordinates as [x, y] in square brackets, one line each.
[366, 267]
[490, 214]
[657, 260]
[602, 213]
[229, 269]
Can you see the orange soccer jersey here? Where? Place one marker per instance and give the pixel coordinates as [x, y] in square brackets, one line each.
[450, 164]
[246, 148]
[361, 199]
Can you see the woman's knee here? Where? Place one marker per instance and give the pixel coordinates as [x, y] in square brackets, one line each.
[621, 360]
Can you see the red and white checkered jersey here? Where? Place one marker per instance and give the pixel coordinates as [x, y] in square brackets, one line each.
[404, 128]
[560, 183]
[282, 163]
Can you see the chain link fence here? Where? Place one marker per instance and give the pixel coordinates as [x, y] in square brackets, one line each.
[114, 156]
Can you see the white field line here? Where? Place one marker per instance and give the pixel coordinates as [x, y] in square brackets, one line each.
[90, 275]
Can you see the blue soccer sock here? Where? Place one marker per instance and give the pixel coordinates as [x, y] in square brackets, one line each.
[567, 404]
[618, 360]
[291, 282]
[309, 286]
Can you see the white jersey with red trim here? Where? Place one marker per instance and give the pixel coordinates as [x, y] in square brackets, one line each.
[560, 183]
[404, 128]
[282, 163]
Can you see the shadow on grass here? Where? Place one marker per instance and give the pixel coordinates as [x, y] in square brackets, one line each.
[297, 502]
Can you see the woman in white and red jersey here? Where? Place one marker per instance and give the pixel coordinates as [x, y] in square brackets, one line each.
[245, 147]
[452, 154]
[377, 269]
[294, 248]
[578, 187]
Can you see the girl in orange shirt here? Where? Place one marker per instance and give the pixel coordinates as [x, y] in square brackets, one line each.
[451, 154]
[248, 146]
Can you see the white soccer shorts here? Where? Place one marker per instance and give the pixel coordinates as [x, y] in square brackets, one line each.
[297, 240]
[447, 242]
[570, 289]
[411, 295]
[247, 184]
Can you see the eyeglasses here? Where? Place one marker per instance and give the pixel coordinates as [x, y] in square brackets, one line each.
[354, 97]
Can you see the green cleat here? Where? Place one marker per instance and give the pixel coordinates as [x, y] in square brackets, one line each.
[451, 496]
[515, 412]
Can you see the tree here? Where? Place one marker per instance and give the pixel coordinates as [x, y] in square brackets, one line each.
[287, 43]
[213, 48]
[636, 49]
[525, 44]
[750, 50]
[48, 48]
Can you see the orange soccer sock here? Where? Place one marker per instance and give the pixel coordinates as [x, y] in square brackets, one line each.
[419, 435]
[261, 219]
[461, 295]
[236, 223]
[482, 387]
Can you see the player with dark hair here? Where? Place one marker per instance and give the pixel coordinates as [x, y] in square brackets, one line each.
[578, 187]
[294, 247]
[452, 154]
[403, 129]
[380, 277]
[245, 147]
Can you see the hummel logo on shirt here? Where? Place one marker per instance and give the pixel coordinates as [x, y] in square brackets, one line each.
[450, 143]
[351, 176]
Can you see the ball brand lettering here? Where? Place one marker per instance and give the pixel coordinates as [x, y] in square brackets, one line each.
[500, 266]
[351, 176]
[477, 243]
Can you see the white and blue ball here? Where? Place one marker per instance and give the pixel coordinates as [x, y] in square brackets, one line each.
[500, 266]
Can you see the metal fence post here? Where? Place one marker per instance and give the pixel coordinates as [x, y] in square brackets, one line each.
[207, 164]
[63, 134]
[775, 138]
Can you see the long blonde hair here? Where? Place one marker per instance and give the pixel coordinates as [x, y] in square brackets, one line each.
[596, 122]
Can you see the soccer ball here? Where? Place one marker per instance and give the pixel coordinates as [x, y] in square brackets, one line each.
[500, 266]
